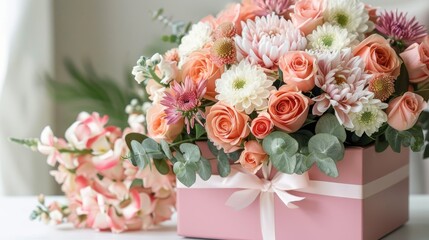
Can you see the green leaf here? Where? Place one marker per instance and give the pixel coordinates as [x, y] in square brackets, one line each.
[280, 142]
[381, 144]
[326, 144]
[150, 145]
[328, 123]
[141, 157]
[234, 156]
[166, 149]
[302, 137]
[424, 93]
[191, 152]
[199, 130]
[162, 166]
[204, 169]
[303, 163]
[179, 157]
[185, 173]
[394, 139]
[152, 148]
[284, 163]
[402, 82]
[213, 149]
[325, 164]
[137, 183]
[28, 142]
[134, 136]
[416, 138]
[223, 166]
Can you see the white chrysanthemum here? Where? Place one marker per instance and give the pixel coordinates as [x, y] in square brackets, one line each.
[244, 86]
[198, 36]
[329, 37]
[350, 15]
[264, 40]
[370, 118]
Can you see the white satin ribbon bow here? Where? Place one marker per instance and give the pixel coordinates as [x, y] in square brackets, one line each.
[281, 183]
[253, 187]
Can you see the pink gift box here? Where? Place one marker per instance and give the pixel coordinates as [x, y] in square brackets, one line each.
[383, 207]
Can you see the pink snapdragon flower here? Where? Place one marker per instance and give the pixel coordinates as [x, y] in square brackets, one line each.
[49, 145]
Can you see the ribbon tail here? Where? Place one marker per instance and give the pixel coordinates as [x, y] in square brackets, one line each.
[241, 199]
[288, 198]
[267, 216]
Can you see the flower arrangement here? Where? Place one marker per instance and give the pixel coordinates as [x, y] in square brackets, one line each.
[104, 191]
[287, 84]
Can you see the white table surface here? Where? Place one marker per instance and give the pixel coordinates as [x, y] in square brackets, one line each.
[15, 224]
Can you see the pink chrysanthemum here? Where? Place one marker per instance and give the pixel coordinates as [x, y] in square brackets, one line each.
[264, 40]
[343, 80]
[184, 101]
[383, 86]
[398, 27]
[278, 7]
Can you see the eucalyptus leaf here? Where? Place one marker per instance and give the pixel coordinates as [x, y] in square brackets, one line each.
[326, 144]
[302, 137]
[162, 166]
[223, 166]
[166, 149]
[328, 123]
[151, 146]
[280, 142]
[213, 149]
[204, 169]
[134, 136]
[325, 164]
[185, 173]
[191, 152]
[303, 163]
[234, 156]
[284, 163]
[139, 154]
[179, 157]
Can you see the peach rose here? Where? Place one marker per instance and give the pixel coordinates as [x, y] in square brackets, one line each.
[378, 56]
[226, 127]
[262, 126]
[155, 91]
[307, 15]
[253, 156]
[199, 66]
[403, 112]
[235, 13]
[157, 127]
[299, 69]
[416, 59]
[288, 108]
